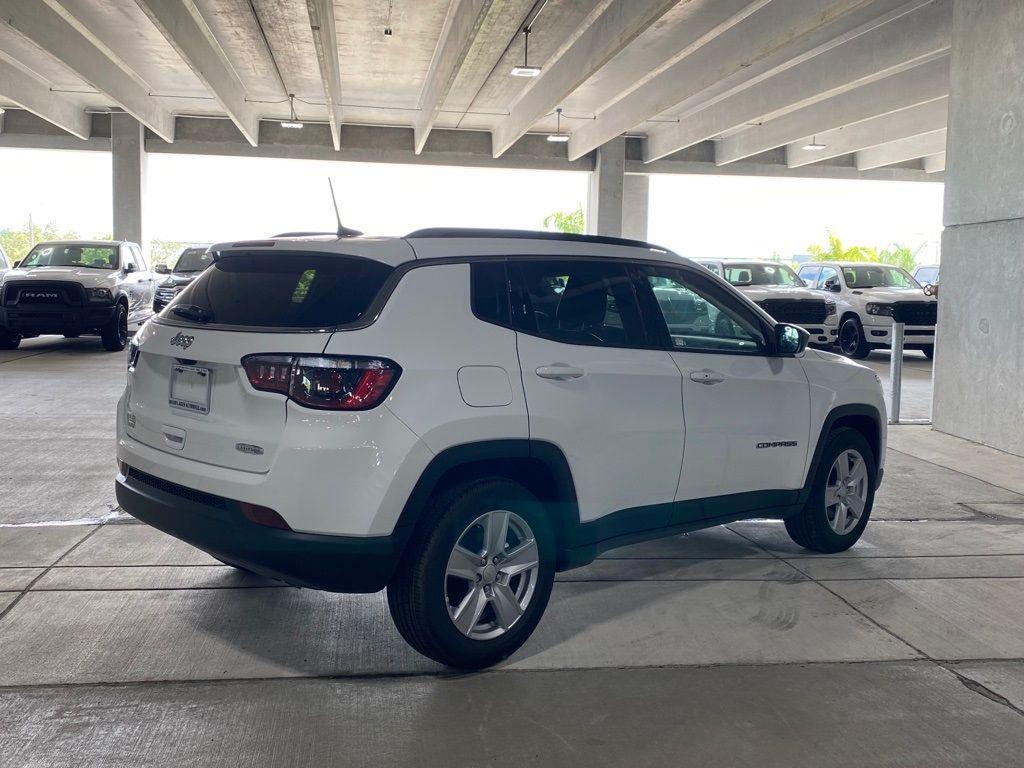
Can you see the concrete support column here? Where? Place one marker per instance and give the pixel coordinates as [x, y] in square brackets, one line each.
[979, 359]
[635, 193]
[128, 155]
[604, 206]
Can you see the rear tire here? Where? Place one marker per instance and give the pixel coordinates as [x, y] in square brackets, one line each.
[440, 577]
[851, 339]
[115, 333]
[839, 507]
[9, 340]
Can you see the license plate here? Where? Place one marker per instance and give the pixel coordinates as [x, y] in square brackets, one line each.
[190, 388]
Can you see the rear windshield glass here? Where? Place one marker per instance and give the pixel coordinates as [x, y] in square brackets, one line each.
[282, 290]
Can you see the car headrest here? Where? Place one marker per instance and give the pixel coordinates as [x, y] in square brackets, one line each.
[582, 305]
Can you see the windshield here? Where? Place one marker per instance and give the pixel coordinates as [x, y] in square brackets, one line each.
[762, 274]
[878, 276]
[193, 260]
[93, 256]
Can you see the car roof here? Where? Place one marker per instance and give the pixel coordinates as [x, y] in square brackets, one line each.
[85, 242]
[455, 243]
[844, 264]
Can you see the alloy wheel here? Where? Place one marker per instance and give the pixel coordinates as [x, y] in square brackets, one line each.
[846, 491]
[491, 575]
[849, 337]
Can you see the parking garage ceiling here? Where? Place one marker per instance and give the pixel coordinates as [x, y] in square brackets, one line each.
[813, 79]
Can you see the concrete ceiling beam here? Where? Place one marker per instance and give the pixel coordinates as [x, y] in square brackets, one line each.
[465, 17]
[619, 24]
[907, 88]
[934, 163]
[34, 95]
[71, 43]
[904, 124]
[325, 40]
[897, 39]
[762, 44]
[900, 151]
[182, 24]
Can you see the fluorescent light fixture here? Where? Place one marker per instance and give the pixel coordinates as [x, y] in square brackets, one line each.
[814, 146]
[558, 137]
[526, 70]
[293, 121]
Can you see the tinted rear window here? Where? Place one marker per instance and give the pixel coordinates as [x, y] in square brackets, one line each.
[285, 290]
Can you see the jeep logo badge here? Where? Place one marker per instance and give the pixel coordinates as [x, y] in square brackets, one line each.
[183, 341]
[255, 450]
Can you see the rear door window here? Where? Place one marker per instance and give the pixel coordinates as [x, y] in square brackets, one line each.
[282, 290]
[577, 302]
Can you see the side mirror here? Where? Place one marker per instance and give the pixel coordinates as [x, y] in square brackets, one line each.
[15, 265]
[790, 339]
[129, 268]
[832, 285]
[162, 269]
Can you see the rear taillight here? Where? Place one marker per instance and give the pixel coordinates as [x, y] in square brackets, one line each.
[326, 381]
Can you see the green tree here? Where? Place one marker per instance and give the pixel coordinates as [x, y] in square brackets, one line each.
[165, 251]
[896, 254]
[18, 242]
[566, 221]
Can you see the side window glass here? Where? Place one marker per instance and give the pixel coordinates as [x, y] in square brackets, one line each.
[578, 302]
[127, 257]
[140, 261]
[698, 320]
[809, 275]
[828, 276]
[489, 291]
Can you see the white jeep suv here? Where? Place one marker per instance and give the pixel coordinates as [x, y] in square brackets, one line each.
[458, 414]
[782, 294]
[76, 287]
[870, 298]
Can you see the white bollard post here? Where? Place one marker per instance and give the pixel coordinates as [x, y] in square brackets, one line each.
[896, 372]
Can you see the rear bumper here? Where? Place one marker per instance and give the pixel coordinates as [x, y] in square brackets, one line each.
[217, 526]
[56, 319]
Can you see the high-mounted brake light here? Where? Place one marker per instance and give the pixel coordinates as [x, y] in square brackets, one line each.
[326, 382]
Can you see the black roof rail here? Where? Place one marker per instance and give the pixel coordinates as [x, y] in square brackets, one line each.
[529, 234]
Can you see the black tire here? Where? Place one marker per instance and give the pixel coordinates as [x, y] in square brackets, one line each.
[418, 594]
[9, 340]
[929, 351]
[115, 333]
[811, 528]
[851, 339]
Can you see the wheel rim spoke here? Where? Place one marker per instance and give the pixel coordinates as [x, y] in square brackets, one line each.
[463, 564]
[846, 492]
[506, 606]
[856, 505]
[496, 532]
[525, 557]
[831, 495]
[468, 613]
[839, 523]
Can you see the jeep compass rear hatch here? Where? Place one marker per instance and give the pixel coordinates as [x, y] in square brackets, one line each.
[213, 375]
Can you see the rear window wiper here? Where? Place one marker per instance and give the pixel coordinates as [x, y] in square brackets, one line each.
[192, 312]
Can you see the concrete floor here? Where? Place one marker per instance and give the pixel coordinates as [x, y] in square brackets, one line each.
[121, 646]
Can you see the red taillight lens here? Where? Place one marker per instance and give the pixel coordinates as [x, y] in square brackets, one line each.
[325, 382]
[269, 373]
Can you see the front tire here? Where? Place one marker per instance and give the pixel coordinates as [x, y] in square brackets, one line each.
[115, 333]
[842, 494]
[9, 340]
[477, 574]
[851, 339]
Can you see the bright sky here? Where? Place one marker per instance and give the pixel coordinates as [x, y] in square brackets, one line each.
[206, 199]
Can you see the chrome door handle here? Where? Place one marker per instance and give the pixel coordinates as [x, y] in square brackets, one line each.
[559, 372]
[707, 376]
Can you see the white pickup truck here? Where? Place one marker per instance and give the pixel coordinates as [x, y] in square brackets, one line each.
[76, 287]
[871, 297]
